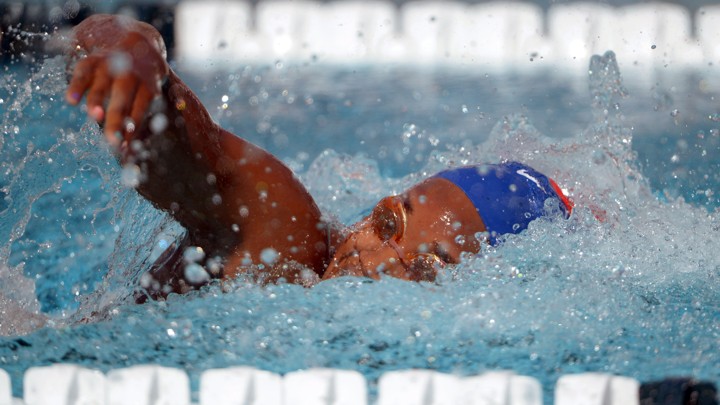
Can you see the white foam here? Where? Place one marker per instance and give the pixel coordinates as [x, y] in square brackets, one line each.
[20, 309]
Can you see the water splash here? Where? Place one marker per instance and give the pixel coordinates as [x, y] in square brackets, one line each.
[627, 285]
[63, 213]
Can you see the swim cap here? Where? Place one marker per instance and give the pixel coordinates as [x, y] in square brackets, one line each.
[507, 196]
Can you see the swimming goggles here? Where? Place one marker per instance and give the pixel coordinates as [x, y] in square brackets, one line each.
[389, 221]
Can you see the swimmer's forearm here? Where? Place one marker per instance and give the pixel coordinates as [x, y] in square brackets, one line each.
[235, 198]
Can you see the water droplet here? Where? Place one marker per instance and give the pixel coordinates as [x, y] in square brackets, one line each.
[129, 125]
[214, 266]
[269, 256]
[196, 274]
[130, 175]
[460, 240]
[482, 236]
[599, 157]
[193, 254]
[158, 123]
[119, 63]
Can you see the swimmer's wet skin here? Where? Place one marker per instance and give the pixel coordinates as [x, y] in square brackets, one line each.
[246, 211]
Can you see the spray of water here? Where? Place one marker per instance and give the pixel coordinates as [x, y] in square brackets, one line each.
[628, 284]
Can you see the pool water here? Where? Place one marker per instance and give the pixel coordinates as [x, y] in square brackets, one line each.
[628, 285]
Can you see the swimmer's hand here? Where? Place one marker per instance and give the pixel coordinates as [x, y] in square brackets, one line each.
[120, 67]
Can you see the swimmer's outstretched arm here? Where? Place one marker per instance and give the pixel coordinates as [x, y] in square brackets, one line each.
[237, 201]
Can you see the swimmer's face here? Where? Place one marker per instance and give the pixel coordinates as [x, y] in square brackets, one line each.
[410, 236]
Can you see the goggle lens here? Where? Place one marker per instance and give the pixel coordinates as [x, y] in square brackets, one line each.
[388, 219]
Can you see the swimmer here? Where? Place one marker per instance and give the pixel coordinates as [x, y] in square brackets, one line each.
[245, 212]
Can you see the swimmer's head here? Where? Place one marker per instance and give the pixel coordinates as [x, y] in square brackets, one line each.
[508, 196]
[412, 235]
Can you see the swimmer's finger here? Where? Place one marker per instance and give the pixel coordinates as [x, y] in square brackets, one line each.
[81, 79]
[97, 94]
[143, 98]
[121, 95]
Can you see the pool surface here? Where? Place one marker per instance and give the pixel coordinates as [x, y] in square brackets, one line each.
[628, 285]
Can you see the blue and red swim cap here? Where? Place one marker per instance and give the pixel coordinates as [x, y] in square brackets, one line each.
[507, 196]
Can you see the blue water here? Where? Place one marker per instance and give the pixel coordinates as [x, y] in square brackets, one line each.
[634, 294]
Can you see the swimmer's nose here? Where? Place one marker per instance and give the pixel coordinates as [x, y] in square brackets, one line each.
[362, 254]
